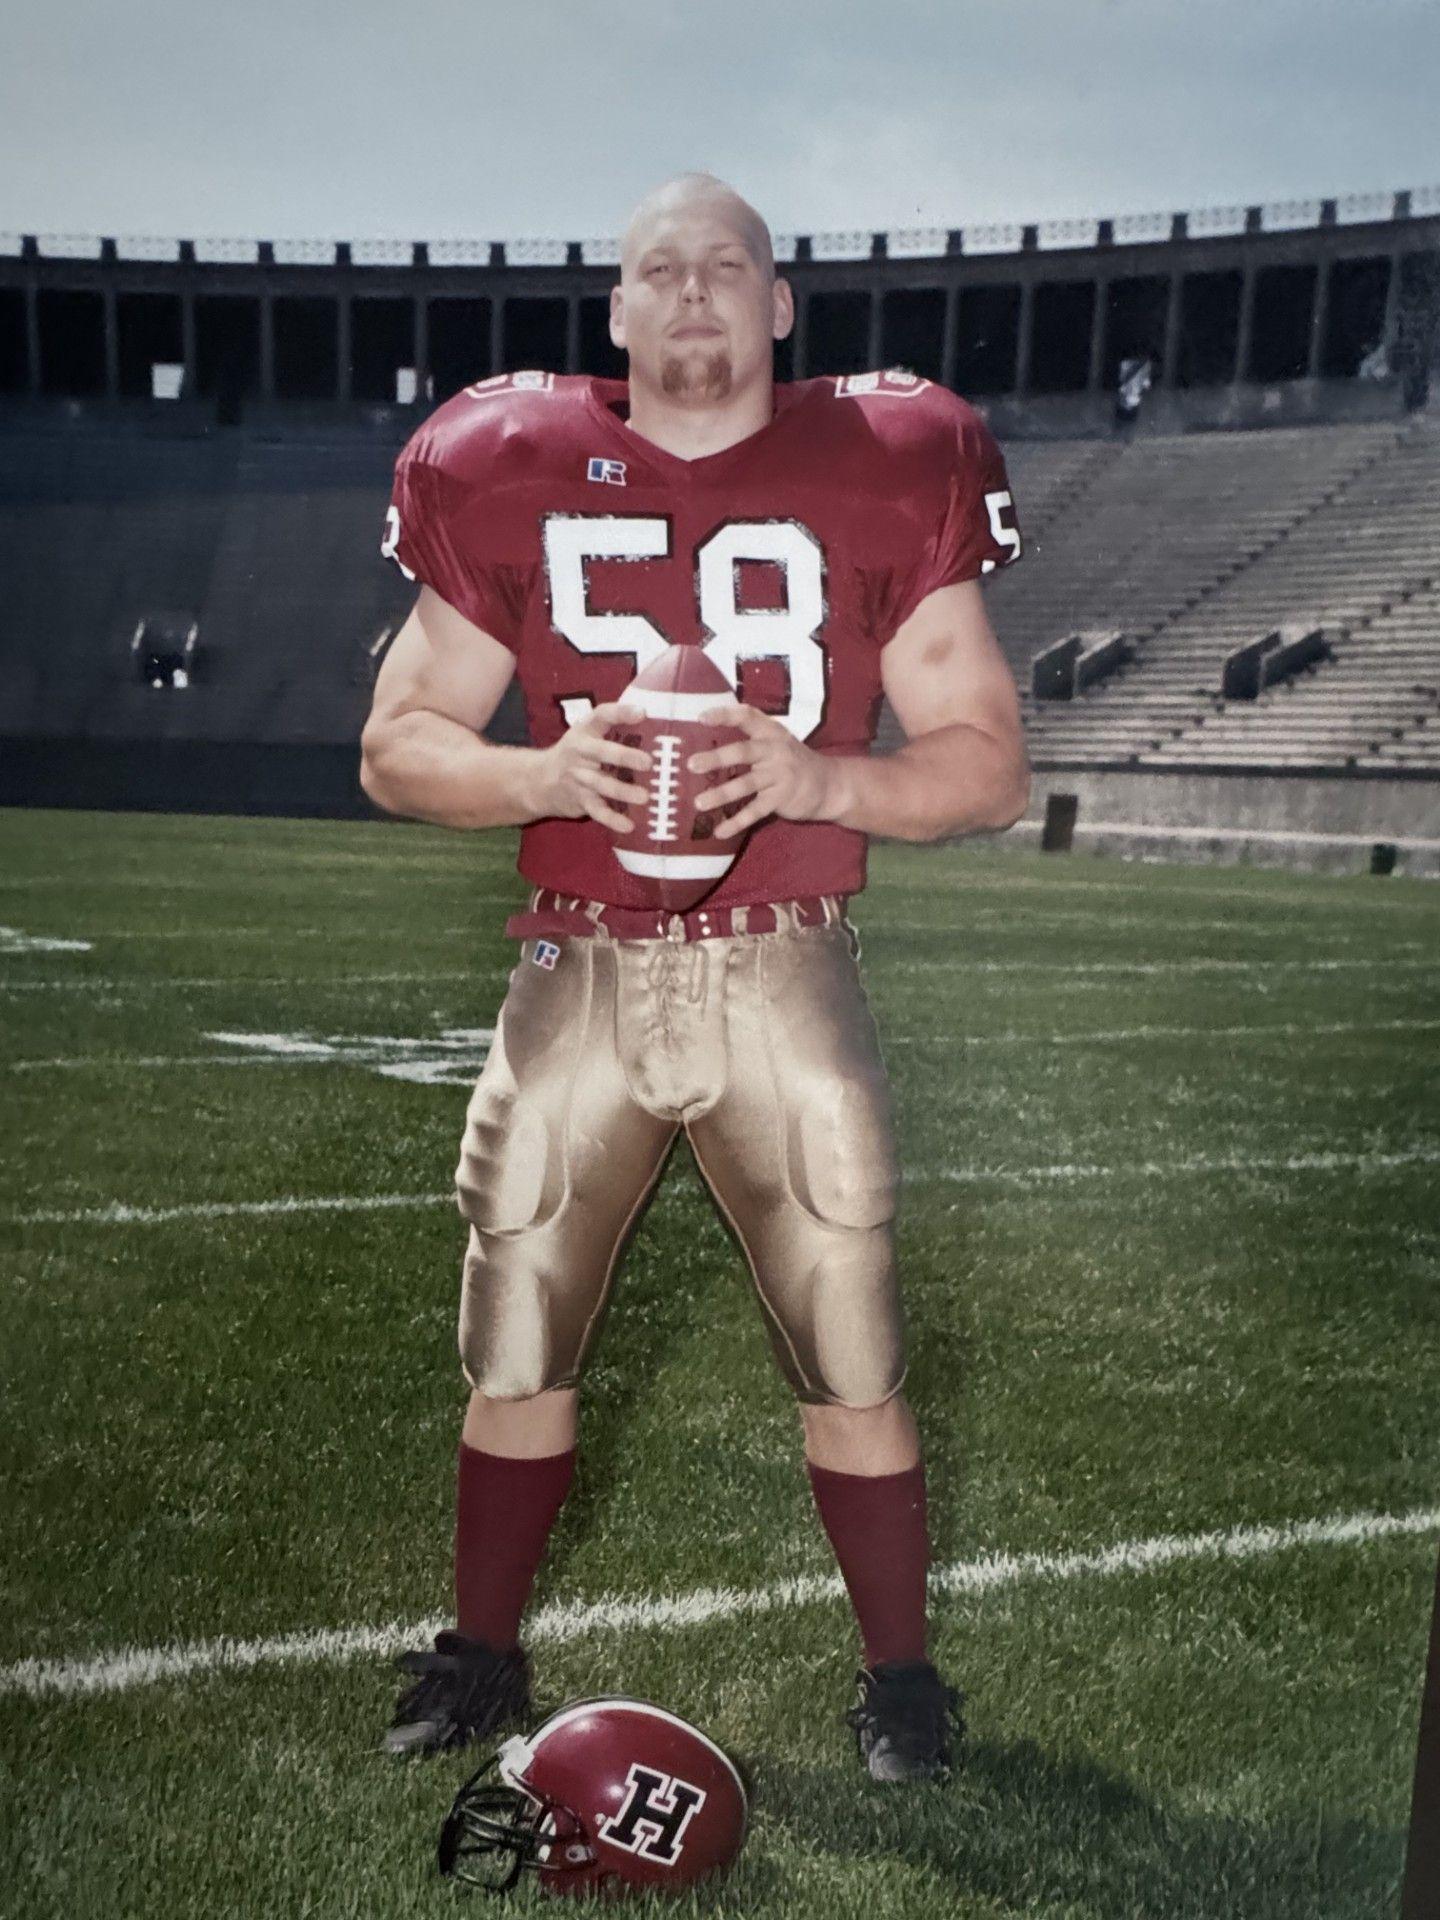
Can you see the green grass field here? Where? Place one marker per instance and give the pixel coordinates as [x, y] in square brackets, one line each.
[1169, 1238]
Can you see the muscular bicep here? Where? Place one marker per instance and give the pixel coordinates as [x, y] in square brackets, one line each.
[944, 668]
[440, 662]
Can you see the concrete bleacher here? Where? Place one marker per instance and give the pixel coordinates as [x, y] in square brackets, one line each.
[1365, 568]
[272, 547]
[1191, 545]
[1167, 520]
[1047, 476]
[296, 589]
[94, 531]
[1404, 645]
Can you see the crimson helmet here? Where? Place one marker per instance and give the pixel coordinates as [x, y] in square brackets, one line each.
[606, 1794]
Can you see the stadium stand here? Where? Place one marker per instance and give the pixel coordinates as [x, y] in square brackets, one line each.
[1192, 545]
[1368, 563]
[93, 532]
[1195, 546]
[1279, 478]
[272, 546]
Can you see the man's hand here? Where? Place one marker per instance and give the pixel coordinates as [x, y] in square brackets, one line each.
[773, 771]
[572, 777]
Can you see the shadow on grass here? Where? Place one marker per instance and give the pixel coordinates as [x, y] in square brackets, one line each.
[1033, 1833]
[939, 1381]
[635, 1347]
[632, 1348]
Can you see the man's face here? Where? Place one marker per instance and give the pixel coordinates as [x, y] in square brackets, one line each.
[695, 310]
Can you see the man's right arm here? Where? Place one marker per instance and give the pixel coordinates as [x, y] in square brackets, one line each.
[423, 751]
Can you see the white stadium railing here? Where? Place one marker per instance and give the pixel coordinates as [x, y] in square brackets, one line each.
[899, 243]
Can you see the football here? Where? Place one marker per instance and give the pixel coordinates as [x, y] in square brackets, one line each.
[671, 850]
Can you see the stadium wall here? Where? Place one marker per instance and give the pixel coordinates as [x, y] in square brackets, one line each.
[185, 776]
[1326, 823]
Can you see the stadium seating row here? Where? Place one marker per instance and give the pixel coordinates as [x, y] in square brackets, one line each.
[1190, 545]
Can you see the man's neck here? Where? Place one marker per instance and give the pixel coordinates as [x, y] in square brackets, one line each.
[691, 431]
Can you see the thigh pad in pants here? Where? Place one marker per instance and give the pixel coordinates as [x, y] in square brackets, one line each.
[556, 1163]
[799, 1151]
[764, 1048]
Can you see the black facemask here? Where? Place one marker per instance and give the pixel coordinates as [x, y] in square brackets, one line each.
[493, 1833]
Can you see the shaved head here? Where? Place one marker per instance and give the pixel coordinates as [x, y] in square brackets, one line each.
[699, 307]
[689, 193]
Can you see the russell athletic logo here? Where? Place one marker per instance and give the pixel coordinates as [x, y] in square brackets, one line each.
[612, 472]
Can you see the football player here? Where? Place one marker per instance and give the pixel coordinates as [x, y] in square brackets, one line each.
[823, 541]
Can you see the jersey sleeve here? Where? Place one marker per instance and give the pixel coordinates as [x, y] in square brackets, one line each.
[437, 531]
[975, 530]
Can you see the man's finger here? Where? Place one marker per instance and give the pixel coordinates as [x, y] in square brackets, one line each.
[614, 753]
[737, 754]
[631, 796]
[757, 810]
[594, 740]
[595, 780]
[738, 789]
[610, 816]
[610, 714]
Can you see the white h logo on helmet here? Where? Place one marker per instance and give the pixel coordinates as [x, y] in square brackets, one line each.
[657, 1810]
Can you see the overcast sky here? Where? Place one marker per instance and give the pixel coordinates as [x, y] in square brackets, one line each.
[440, 119]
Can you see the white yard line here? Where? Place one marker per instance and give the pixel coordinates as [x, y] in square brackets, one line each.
[102, 1062]
[945, 963]
[318, 1053]
[227, 934]
[1418, 1156]
[120, 1214]
[1324, 894]
[337, 932]
[292, 983]
[959, 912]
[1005, 917]
[474, 866]
[1290, 1029]
[565, 1621]
[13, 940]
[1169, 881]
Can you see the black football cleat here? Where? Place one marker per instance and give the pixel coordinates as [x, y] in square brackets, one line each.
[462, 1691]
[904, 1721]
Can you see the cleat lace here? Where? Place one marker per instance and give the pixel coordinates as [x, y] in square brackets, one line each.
[911, 1710]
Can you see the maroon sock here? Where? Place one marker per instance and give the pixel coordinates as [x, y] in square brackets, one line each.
[504, 1511]
[877, 1528]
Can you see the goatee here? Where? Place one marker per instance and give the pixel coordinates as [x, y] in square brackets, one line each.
[696, 376]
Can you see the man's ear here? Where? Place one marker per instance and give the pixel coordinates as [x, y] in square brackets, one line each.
[617, 316]
[783, 311]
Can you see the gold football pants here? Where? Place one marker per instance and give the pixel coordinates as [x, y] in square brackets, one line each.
[763, 1047]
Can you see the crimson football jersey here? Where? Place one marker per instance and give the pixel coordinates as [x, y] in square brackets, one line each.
[529, 504]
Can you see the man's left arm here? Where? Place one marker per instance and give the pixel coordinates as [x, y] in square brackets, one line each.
[963, 768]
